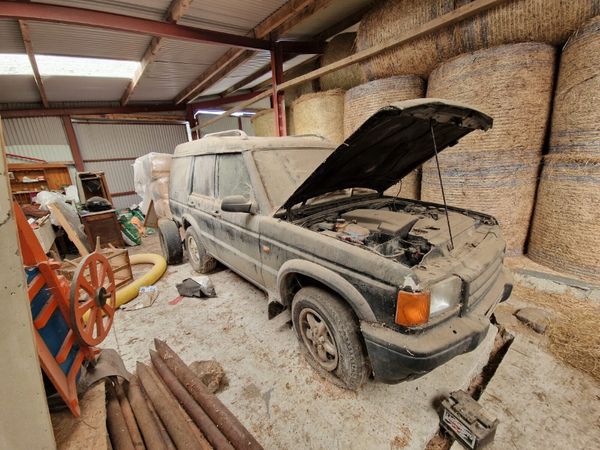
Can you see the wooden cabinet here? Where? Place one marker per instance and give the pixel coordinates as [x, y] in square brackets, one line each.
[105, 225]
[26, 180]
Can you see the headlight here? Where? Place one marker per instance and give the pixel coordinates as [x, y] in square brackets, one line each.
[445, 295]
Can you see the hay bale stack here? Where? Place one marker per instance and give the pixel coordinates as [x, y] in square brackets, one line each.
[364, 100]
[495, 171]
[320, 113]
[264, 123]
[408, 187]
[576, 115]
[341, 46]
[515, 21]
[565, 233]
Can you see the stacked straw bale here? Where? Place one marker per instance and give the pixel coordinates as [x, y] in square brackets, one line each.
[363, 101]
[320, 113]
[264, 123]
[576, 114]
[549, 21]
[565, 233]
[341, 46]
[495, 171]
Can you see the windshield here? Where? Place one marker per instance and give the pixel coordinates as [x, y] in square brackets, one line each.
[282, 171]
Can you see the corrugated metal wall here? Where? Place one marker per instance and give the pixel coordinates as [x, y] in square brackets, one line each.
[117, 145]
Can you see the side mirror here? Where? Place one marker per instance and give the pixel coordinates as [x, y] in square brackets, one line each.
[237, 203]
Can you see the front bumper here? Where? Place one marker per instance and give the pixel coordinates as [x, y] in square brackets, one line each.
[396, 357]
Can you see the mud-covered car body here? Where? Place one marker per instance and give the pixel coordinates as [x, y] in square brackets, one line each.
[290, 212]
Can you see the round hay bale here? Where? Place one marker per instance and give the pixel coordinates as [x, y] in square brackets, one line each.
[364, 100]
[320, 113]
[515, 21]
[409, 187]
[576, 116]
[264, 123]
[565, 233]
[487, 171]
[338, 48]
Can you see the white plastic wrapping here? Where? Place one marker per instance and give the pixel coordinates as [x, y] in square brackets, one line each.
[151, 181]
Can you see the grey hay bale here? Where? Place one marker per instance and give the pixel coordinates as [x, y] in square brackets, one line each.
[549, 21]
[565, 233]
[364, 100]
[495, 171]
[341, 46]
[320, 113]
[264, 123]
[576, 114]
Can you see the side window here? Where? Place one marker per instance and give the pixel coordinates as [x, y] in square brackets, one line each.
[233, 178]
[179, 180]
[204, 175]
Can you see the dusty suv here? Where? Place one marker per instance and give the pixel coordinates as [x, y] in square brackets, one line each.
[375, 284]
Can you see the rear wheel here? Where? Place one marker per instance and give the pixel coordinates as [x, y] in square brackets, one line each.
[199, 259]
[330, 335]
[170, 241]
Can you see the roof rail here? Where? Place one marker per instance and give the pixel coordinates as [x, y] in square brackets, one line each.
[228, 133]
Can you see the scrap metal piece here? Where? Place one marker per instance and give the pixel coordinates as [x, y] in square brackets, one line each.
[108, 364]
[466, 420]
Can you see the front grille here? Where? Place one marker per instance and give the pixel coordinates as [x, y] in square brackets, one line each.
[480, 286]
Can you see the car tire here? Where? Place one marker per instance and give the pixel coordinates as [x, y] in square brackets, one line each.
[197, 256]
[338, 328]
[170, 241]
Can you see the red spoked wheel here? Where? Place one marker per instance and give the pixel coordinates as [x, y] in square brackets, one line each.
[93, 299]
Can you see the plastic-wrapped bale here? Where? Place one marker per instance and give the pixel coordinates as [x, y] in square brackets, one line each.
[321, 113]
[363, 101]
[341, 46]
[548, 21]
[565, 233]
[151, 180]
[264, 123]
[495, 172]
[576, 114]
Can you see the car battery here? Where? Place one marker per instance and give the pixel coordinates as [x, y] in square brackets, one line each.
[466, 421]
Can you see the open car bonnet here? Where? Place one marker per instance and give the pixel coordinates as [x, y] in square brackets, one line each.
[389, 145]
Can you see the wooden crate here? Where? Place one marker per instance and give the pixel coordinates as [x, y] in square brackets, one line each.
[118, 259]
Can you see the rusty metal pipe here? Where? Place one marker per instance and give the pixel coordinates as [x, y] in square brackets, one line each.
[149, 428]
[117, 428]
[134, 431]
[170, 445]
[200, 418]
[168, 410]
[231, 427]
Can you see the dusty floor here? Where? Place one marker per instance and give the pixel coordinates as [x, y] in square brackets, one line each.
[281, 399]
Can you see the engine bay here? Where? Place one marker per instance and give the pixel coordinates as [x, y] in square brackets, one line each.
[394, 231]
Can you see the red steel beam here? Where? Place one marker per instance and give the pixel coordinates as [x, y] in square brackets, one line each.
[72, 138]
[119, 22]
[278, 100]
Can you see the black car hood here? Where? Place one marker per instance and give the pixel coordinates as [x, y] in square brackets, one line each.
[389, 145]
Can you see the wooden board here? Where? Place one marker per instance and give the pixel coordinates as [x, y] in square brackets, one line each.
[151, 219]
[76, 237]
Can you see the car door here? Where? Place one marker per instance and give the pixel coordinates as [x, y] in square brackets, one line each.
[236, 234]
[201, 200]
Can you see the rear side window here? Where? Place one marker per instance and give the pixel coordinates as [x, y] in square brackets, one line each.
[179, 180]
[233, 178]
[204, 175]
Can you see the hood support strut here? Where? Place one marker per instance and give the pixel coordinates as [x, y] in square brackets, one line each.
[437, 163]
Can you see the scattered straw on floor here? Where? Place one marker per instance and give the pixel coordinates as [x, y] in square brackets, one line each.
[573, 331]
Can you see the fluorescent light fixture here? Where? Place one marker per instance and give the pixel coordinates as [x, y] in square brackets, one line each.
[67, 66]
[218, 112]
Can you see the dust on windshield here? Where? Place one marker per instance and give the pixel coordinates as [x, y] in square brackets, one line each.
[283, 171]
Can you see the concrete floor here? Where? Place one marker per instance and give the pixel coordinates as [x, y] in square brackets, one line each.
[287, 405]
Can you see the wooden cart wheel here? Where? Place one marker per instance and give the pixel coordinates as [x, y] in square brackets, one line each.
[93, 299]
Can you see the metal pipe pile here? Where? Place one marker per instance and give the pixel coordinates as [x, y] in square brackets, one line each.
[166, 406]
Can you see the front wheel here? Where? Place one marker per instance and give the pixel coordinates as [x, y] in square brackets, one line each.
[329, 332]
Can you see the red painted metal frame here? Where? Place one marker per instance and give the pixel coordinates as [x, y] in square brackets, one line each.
[120, 22]
[277, 97]
[73, 144]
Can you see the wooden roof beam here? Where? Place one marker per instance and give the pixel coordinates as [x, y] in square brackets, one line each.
[174, 13]
[26, 36]
[286, 17]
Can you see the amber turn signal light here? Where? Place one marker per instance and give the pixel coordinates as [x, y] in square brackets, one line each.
[412, 308]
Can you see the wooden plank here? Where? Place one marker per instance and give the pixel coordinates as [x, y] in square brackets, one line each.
[457, 15]
[31, 55]
[284, 18]
[72, 233]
